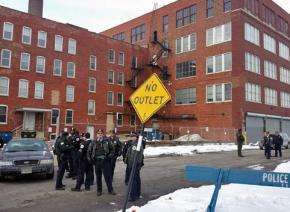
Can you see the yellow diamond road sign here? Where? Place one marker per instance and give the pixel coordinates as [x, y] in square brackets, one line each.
[149, 97]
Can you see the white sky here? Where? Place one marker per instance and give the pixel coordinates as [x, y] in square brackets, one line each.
[98, 15]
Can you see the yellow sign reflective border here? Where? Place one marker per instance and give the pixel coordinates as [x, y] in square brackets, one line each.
[149, 98]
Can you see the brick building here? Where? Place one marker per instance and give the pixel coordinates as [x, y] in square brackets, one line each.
[228, 68]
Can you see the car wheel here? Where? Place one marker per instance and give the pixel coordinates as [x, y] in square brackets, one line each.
[287, 147]
[261, 148]
[50, 176]
[2, 178]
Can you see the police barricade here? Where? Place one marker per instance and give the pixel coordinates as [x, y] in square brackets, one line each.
[221, 176]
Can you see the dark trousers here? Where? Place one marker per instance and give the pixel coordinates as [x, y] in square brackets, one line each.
[278, 149]
[61, 170]
[240, 145]
[84, 170]
[75, 163]
[127, 175]
[136, 184]
[268, 151]
[91, 173]
[113, 165]
[103, 167]
[71, 164]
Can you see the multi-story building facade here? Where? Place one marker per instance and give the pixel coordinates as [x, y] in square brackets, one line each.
[229, 63]
[228, 68]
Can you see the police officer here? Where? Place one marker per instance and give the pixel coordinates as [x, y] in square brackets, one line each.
[76, 142]
[84, 165]
[267, 143]
[56, 150]
[117, 146]
[64, 151]
[131, 150]
[240, 141]
[278, 142]
[101, 152]
[72, 172]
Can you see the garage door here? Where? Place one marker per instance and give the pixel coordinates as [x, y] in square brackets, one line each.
[254, 129]
[286, 126]
[272, 125]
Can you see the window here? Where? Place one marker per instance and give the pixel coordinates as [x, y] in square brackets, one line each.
[69, 117]
[54, 115]
[209, 8]
[93, 62]
[283, 26]
[253, 92]
[119, 119]
[138, 33]
[111, 77]
[58, 43]
[4, 86]
[120, 99]
[252, 34]
[185, 96]
[185, 69]
[219, 92]
[269, 43]
[39, 87]
[41, 40]
[134, 62]
[26, 35]
[186, 16]
[91, 107]
[121, 58]
[110, 98]
[3, 114]
[5, 58]
[284, 51]
[268, 16]
[166, 45]
[23, 88]
[227, 5]
[270, 69]
[71, 70]
[57, 66]
[285, 75]
[270, 97]
[111, 56]
[70, 90]
[285, 99]
[186, 43]
[120, 36]
[7, 31]
[121, 78]
[252, 6]
[165, 23]
[72, 46]
[252, 63]
[133, 120]
[25, 62]
[219, 34]
[40, 64]
[219, 63]
[92, 84]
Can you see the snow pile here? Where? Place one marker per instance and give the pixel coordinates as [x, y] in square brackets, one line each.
[192, 137]
[192, 149]
[232, 197]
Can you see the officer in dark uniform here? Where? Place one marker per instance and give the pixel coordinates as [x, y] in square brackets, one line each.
[101, 152]
[117, 145]
[56, 150]
[84, 165]
[76, 142]
[72, 172]
[267, 143]
[129, 160]
[240, 141]
[64, 149]
[278, 142]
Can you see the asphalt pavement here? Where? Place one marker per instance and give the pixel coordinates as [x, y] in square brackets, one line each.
[160, 176]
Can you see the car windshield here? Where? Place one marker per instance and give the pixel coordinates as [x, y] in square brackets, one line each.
[25, 145]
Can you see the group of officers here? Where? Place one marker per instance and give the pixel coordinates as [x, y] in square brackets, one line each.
[81, 155]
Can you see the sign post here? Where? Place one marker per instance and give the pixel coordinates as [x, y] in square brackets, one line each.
[146, 100]
[225, 176]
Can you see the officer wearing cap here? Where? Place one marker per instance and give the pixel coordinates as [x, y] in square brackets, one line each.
[100, 153]
[130, 150]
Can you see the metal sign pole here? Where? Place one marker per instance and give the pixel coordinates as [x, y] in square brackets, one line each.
[132, 174]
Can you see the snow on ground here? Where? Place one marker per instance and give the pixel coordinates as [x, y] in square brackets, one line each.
[191, 149]
[191, 137]
[232, 197]
[256, 167]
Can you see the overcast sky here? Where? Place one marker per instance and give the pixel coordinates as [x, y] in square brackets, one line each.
[98, 15]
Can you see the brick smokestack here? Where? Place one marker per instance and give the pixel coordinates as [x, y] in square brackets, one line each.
[35, 7]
